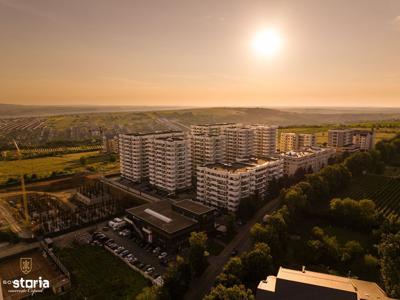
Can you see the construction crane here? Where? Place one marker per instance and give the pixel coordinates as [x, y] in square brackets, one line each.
[25, 200]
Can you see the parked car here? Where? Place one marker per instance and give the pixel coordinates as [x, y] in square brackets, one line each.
[162, 255]
[156, 250]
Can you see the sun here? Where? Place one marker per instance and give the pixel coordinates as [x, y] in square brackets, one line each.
[267, 43]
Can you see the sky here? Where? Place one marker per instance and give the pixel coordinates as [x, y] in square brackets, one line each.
[198, 52]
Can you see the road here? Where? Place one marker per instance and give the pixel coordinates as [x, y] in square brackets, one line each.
[201, 286]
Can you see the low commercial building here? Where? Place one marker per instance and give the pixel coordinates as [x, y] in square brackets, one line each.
[313, 158]
[169, 224]
[224, 185]
[170, 164]
[305, 285]
[135, 151]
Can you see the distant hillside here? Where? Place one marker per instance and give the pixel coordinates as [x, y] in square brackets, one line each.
[12, 110]
[84, 126]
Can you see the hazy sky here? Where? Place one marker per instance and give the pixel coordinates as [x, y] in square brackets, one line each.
[197, 52]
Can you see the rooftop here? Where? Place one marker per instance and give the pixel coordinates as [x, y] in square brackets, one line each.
[152, 133]
[193, 206]
[363, 289]
[160, 215]
[214, 124]
[242, 166]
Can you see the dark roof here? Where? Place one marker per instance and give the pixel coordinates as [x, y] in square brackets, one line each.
[148, 213]
[193, 206]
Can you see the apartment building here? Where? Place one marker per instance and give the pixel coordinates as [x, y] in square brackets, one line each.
[239, 143]
[314, 157]
[305, 285]
[290, 141]
[212, 129]
[265, 140]
[306, 140]
[224, 185]
[170, 165]
[110, 144]
[134, 151]
[340, 137]
[207, 149]
[364, 139]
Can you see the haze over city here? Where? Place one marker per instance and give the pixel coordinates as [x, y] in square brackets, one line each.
[200, 53]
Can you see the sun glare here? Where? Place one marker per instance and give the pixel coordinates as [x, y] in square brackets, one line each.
[267, 43]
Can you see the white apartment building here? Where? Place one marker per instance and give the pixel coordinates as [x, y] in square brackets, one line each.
[239, 143]
[364, 139]
[170, 166]
[313, 157]
[306, 140]
[134, 151]
[224, 185]
[212, 129]
[290, 141]
[340, 137]
[207, 149]
[265, 140]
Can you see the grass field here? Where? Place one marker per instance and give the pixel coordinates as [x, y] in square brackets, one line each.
[97, 274]
[42, 167]
[383, 190]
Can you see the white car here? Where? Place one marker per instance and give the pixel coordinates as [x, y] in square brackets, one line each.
[162, 255]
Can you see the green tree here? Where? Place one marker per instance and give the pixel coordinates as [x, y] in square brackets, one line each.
[231, 293]
[389, 252]
[149, 293]
[197, 252]
[258, 233]
[257, 263]
[176, 280]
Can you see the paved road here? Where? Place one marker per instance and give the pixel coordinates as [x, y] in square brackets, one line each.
[201, 286]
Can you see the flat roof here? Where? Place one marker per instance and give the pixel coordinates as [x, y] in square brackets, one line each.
[364, 289]
[170, 138]
[164, 209]
[193, 206]
[241, 166]
[315, 278]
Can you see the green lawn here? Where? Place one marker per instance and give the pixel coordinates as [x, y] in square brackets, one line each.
[97, 274]
[42, 167]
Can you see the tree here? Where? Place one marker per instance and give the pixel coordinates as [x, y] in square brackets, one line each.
[176, 280]
[197, 252]
[149, 293]
[296, 200]
[231, 293]
[234, 267]
[352, 250]
[257, 263]
[389, 251]
[258, 233]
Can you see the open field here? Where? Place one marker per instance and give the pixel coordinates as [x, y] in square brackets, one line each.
[42, 167]
[383, 190]
[97, 274]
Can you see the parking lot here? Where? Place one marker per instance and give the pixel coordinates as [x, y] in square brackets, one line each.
[132, 250]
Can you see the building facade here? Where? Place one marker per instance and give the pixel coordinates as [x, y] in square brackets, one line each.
[134, 153]
[212, 129]
[290, 141]
[170, 165]
[224, 185]
[265, 140]
[313, 158]
[340, 137]
[364, 139]
[239, 143]
[207, 149]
